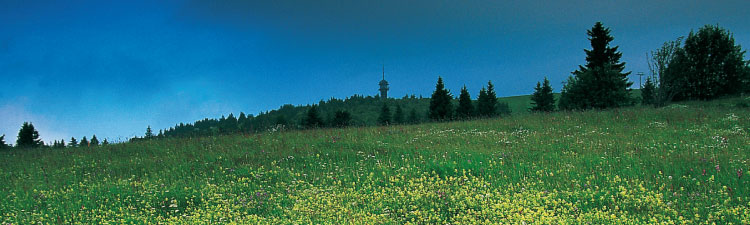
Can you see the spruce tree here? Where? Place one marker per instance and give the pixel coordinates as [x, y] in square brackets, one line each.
[28, 137]
[601, 83]
[84, 142]
[342, 118]
[241, 121]
[441, 107]
[230, 124]
[465, 108]
[487, 101]
[149, 133]
[313, 120]
[543, 99]
[398, 116]
[413, 116]
[94, 141]
[73, 142]
[2, 142]
[281, 120]
[648, 92]
[384, 118]
[105, 142]
[481, 101]
[62, 143]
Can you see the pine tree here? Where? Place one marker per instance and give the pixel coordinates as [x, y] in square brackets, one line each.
[487, 101]
[105, 142]
[58, 144]
[94, 141]
[398, 116]
[543, 99]
[28, 137]
[413, 116]
[149, 133]
[648, 92]
[241, 121]
[281, 120]
[441, 107]
[313, 120]
[84, 142]
[342, 119]
[73, 142]
[385, 115]
[465, 108]
[600, 83]
[230, 124]
[2, 142]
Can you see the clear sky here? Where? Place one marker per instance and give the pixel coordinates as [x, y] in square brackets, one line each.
[111, 68]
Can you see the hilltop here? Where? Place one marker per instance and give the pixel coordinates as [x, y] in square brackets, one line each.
[687, 162]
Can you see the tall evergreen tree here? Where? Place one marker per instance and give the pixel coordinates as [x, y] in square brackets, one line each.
[313, 120]
[149, 133]
[465, 108]
[384, 118]
[648, 92]
[441, 107]
[3, 145]
[487, 101]
[543, 99]
[94, 141]
[73, 142]
[230, 124]
[601, 83]
[105, 142]
[241, 121]
[398, 116]
[84, 142]
[28, 137]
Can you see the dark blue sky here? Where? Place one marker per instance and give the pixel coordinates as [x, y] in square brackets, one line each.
[109, 68]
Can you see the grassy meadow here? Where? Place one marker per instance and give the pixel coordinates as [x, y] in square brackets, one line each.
[685, 163]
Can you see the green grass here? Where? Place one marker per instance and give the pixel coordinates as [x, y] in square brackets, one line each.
[633, 165]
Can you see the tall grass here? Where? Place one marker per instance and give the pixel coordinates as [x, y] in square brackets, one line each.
[683, 163]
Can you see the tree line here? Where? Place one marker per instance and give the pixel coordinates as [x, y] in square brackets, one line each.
[706, 66]
[28, 137]
[356, 110]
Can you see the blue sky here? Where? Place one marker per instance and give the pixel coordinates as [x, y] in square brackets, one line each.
[111, 68]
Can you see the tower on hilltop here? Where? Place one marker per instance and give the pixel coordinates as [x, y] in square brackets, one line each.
[383, 86]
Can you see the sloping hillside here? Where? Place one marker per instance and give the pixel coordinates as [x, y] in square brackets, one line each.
[684, 163]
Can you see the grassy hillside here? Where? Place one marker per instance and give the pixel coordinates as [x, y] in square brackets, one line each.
[683, 163]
